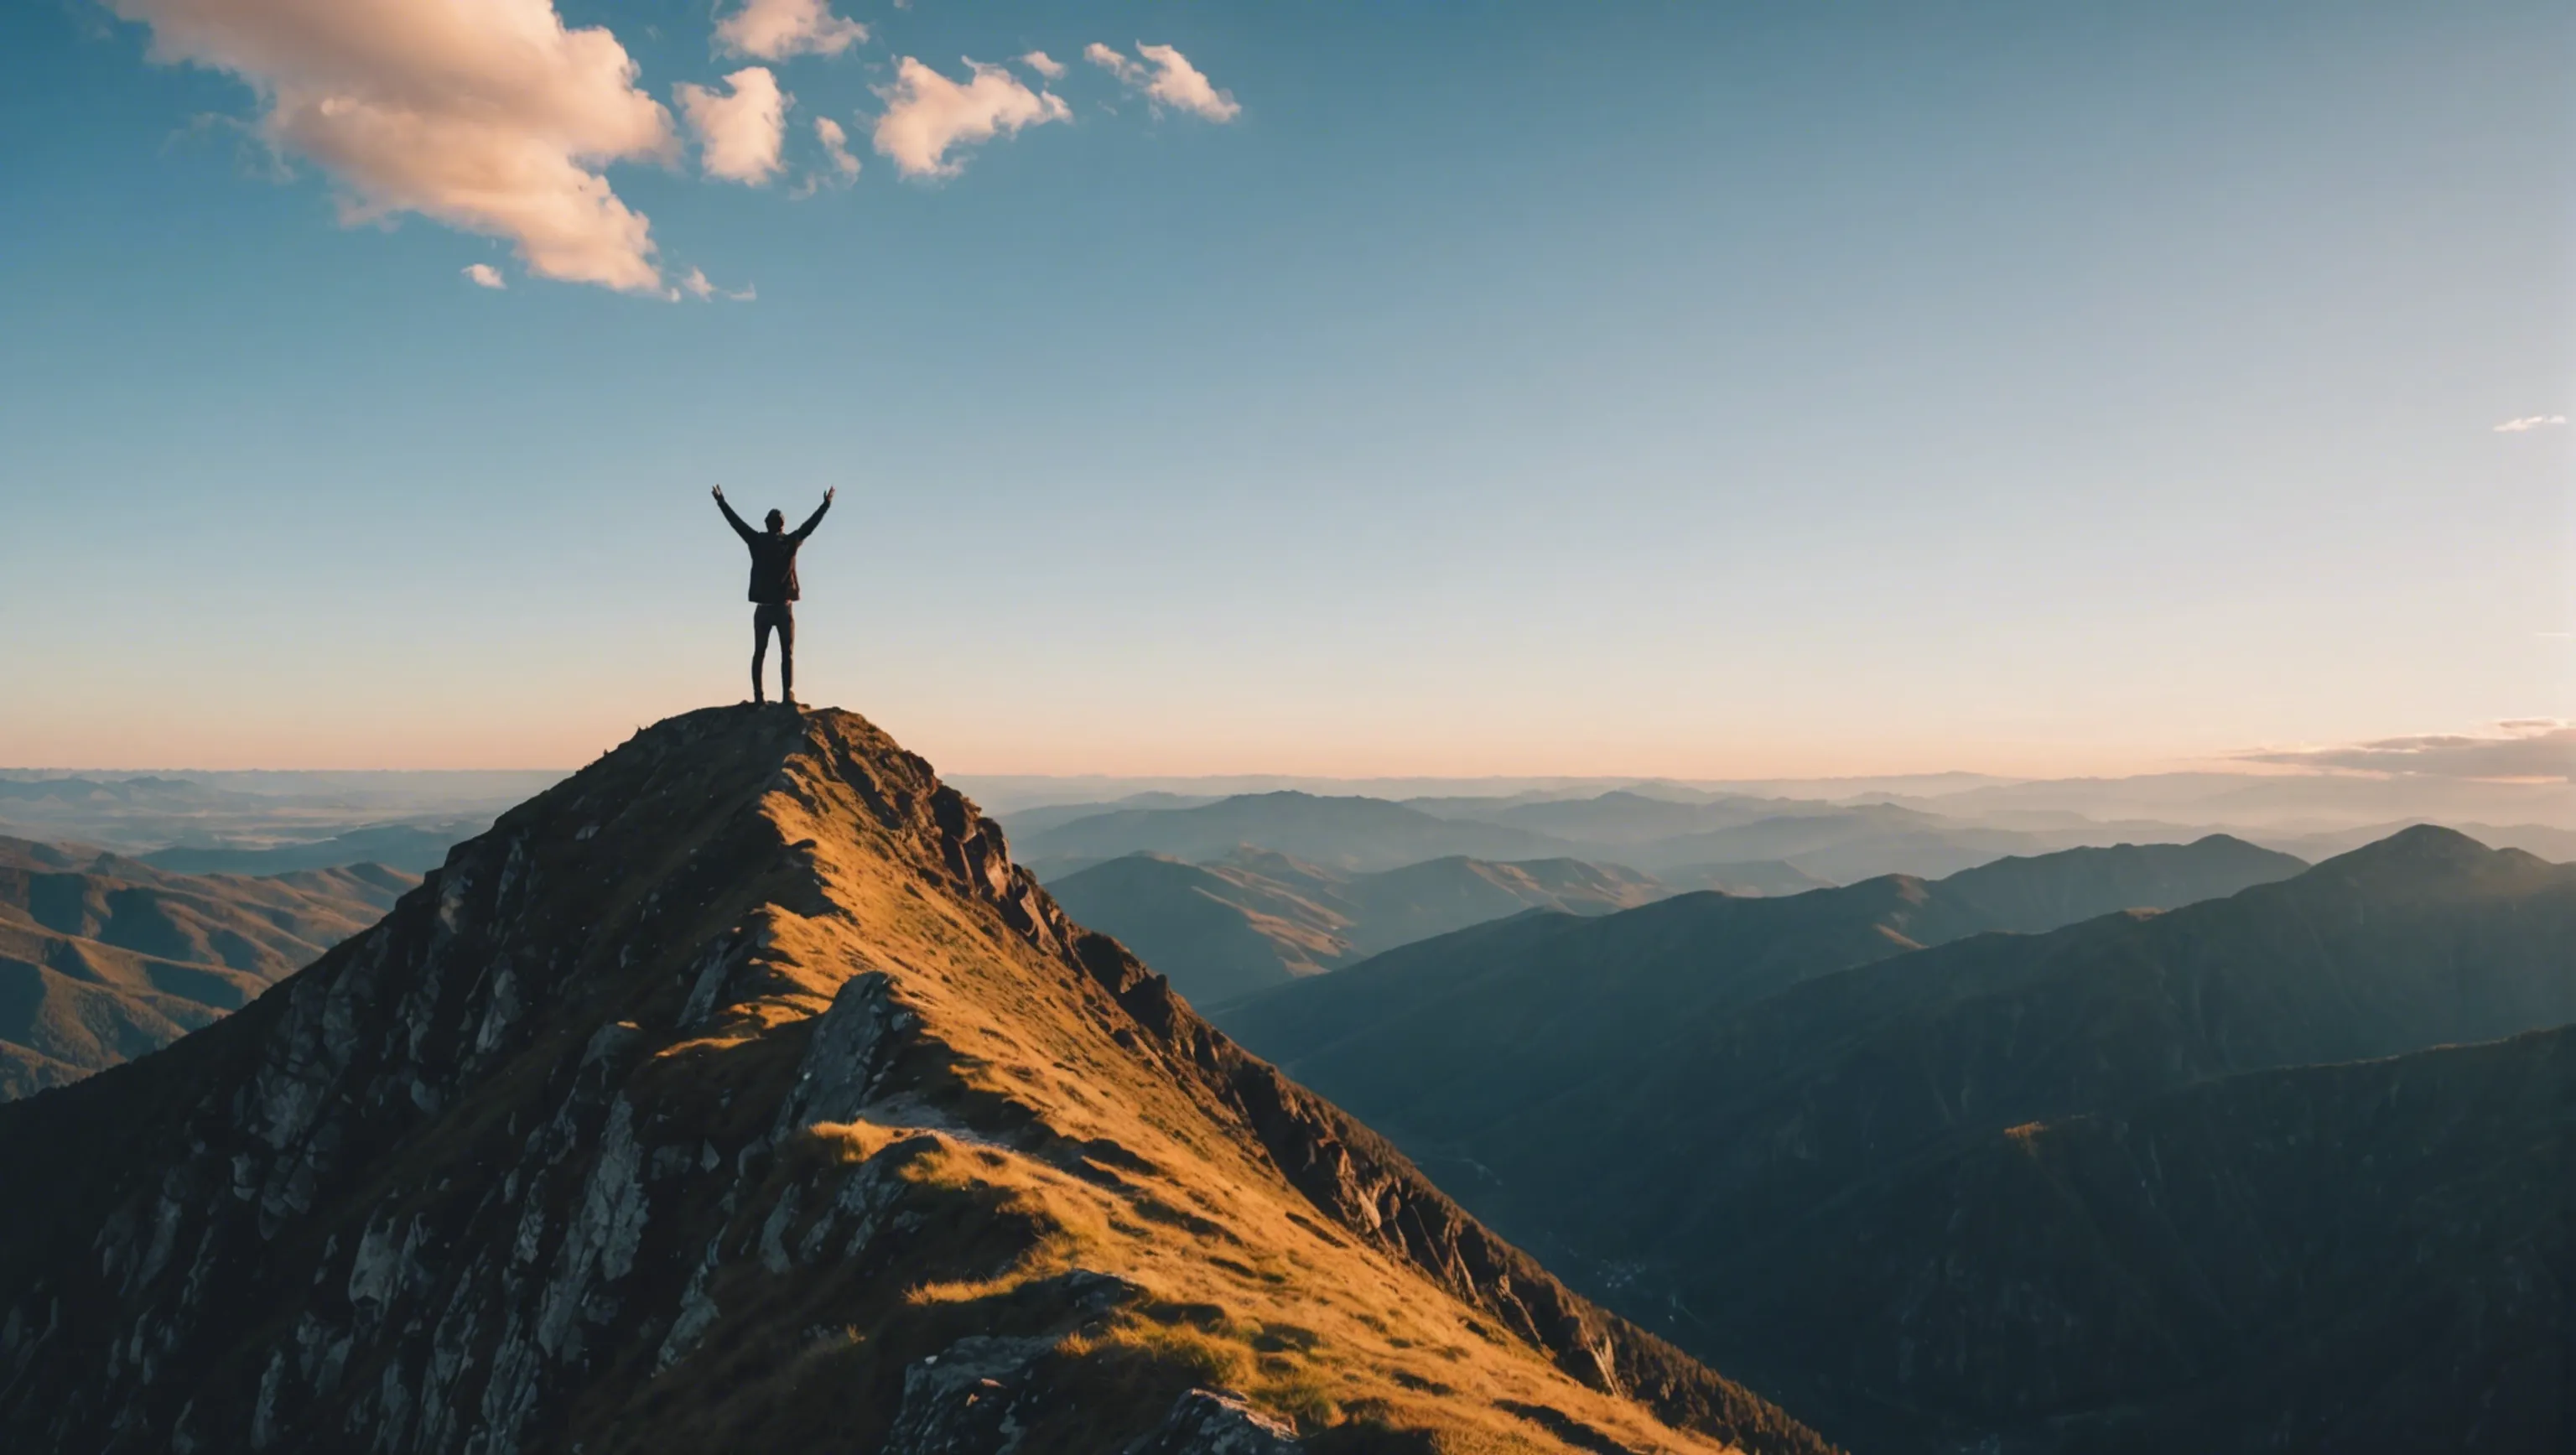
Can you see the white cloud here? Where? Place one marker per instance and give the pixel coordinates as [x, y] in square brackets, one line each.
[836, 146]
[2530, 422]
[926, 114]
[773, 30]
[695, 284]
[2532, 747]
[1167, 78]
[1044, 64]
[485, 115]
[484, 275]
[1114, 63]
[739, 135]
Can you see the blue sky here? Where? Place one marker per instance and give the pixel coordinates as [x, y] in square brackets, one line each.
[1705, 390]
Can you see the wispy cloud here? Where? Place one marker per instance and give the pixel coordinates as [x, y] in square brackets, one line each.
[484, 275]
[2530, 422]
[927, 114]
[1044, 64]
[1167, 78]
[836, 147]
[839, 167]
[695, 284]
[491, 117]
[741, 130]
[2521, 748]
[773, 30]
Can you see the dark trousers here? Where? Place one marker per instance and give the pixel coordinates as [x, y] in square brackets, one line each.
[776, 616]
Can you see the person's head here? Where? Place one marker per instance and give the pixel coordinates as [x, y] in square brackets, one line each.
[777, 522]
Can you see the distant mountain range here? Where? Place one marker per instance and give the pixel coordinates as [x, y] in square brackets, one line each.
[1444, 1037]
[105, 958]
[413, 848]
[1784, 1132]
[2558, 845]
[323, 819]
[1352, 835]
[1706, 839]
[1255, 919]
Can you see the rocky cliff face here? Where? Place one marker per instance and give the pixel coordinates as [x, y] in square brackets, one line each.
[740, 1093]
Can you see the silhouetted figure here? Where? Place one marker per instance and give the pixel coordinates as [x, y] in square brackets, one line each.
[773, 586]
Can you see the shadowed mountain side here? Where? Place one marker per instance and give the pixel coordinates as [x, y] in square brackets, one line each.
[1739, 1126]
[2032, 895]
[1218, 931]
[739, 1093]
[1418, 901]
[1351, 835]
[1439, 1038]
[1667, 1097]
[1445, 1036]
[1762, 1110]
[104, 958]
[1256, 919]
[2368, 1257]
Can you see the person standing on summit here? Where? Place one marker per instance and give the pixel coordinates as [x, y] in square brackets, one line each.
[773, 587]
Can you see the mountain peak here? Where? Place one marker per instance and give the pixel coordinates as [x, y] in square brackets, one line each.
[2426, 858]
[740, 1092]
[2422, 843]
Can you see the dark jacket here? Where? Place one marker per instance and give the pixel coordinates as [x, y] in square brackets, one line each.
[773, 556]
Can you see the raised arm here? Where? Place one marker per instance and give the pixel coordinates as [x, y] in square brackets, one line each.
[816, 518]
[732, 519]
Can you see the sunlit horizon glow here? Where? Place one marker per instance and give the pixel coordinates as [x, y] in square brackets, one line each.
[2545, 752]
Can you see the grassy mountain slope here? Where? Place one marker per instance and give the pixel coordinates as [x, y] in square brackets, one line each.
[103, 958]
[740, 1093]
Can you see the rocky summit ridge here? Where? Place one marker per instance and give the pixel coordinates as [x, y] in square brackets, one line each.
[740, 1093]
